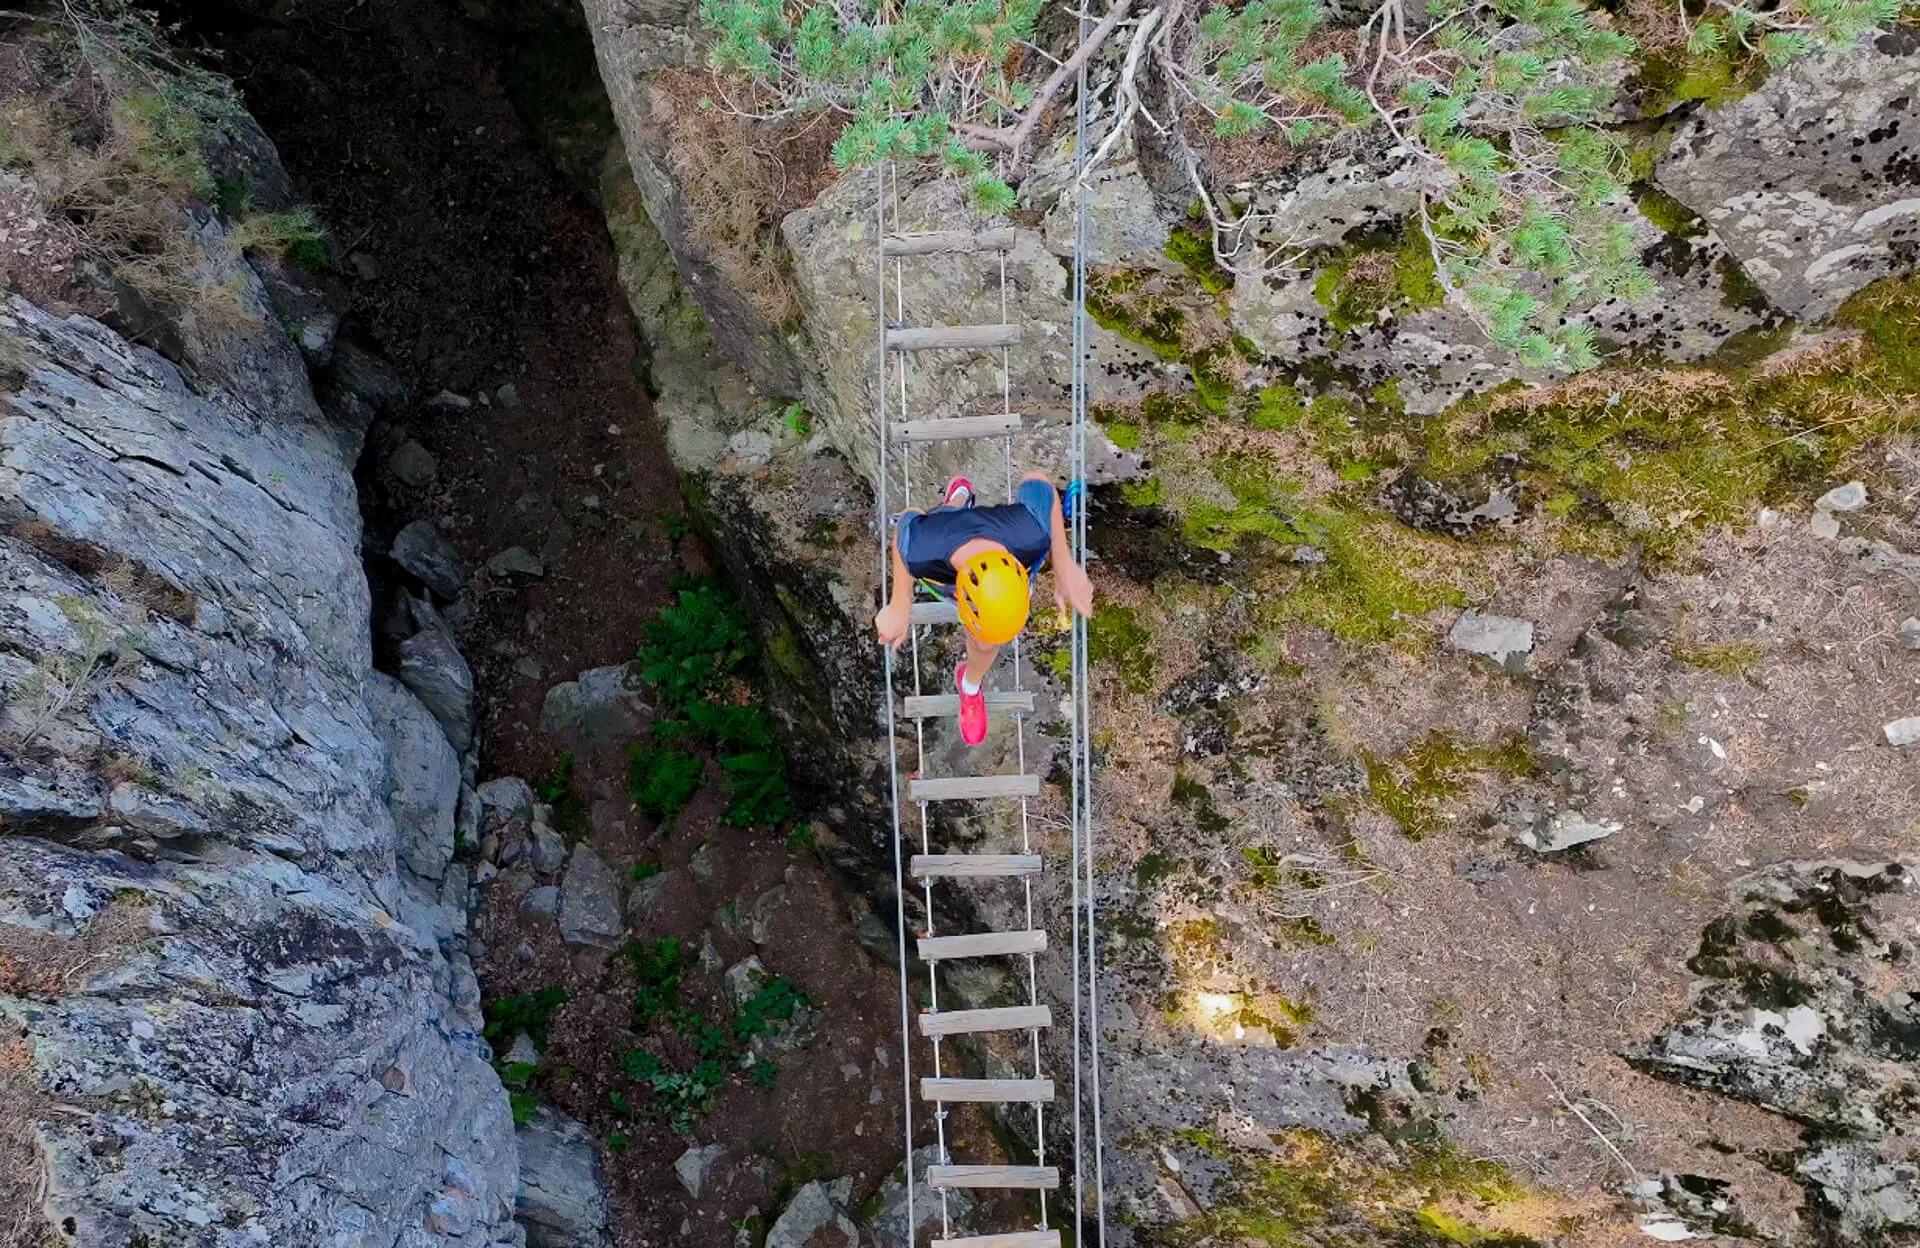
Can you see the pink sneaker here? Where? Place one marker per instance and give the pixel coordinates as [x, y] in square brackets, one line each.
[959, 493]
[973, 709]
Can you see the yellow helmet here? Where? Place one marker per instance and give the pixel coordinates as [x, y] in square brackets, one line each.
[991, 594]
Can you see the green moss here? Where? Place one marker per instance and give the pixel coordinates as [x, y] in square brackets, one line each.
[1729, 658]
[1654, 455]
[1309, 1188]
[1669, 214]
[1143, 493]
[1416, 785]
[1152, 868]
[1192, 246]
[1374, 580]
[1117, 642]
[1211, 381]
[1366, 278]
[1668, 80]
[1117, 304]
[1277, 408]
[1122, 435]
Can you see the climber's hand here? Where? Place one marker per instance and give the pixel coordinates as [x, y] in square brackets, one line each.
[1072, 587]
[892, 623]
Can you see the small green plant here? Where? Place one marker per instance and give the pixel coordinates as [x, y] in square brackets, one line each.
[529, 1013]
[662, 778]
[776, 1001]
[656, 967]
[296, 236]
[63, 682]
[556, 790]
[645, 869]
[698, 658]
[617, 1143]
[794, 420]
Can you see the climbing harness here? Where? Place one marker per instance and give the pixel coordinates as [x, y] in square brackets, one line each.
[899, 346]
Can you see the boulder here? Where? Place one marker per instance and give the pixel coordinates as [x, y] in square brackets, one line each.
[508, 797]
[431, 665]
[562, 1201]
[602, 707]
[1502, 638]
[516, 561]
[1564, 830]
[423, 777]
[590, 901]
[421, 550]
[817, 1217]
[888, 1224]
[695, 1165]
[412, 464]
[1808, 179]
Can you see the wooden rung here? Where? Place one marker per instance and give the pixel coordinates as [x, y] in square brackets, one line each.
[972, 1022]
[1005, 1239]
[987, 1091]
[948, 242]
[954, 338]
[955, 428]
[965, 788]
[1024, 1178]
[943, 705]
[973, 866]
[939, 611]
[981, 945]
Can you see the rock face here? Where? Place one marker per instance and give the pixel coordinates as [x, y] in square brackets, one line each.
[562, 1204]
[1811, 179]
[1797, 1014]
[184, 563]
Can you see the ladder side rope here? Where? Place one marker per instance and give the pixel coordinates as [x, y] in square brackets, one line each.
[1082, 767]
[886, 693]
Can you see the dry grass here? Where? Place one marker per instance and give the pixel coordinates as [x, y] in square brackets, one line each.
[108, 131]
[740, 179]
[22, 1175]
[36, 964]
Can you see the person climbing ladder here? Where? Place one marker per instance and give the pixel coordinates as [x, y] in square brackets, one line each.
[982, 558]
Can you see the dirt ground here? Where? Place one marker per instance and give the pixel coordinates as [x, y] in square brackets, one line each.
[395, 119]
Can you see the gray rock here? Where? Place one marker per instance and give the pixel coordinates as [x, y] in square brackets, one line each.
[695, 1165]
[423, 777]
[705, 861]
[590, 901]
[602, 707]
[1902, 732]
[1849, 497]
[516, 561]
[412, 464]
[508, 796]
[760, 917]
[1563, 831]
[549, 849]
[562, 1200]
[508, 395]
[889, 1222]
[742, 982]
[449, 401]
[1910, 632]
[1824, 526]
[1828, 130]
[421, 550]
[817, 1217]
[432, 666]
[1501, 638]
[1872, 1196]
[642, 896]
[542, 902]
[523, 1052]
[315, 791]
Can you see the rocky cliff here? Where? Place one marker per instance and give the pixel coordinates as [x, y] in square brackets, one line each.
[235, 1006]
[1443, 701]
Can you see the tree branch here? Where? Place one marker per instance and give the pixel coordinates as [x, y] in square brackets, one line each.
[1017, 141]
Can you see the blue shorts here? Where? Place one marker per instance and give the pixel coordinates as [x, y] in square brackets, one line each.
[1024, 527]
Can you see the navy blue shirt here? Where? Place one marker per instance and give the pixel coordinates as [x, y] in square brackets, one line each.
[1024, 527]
